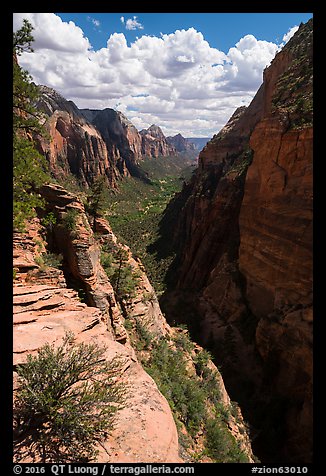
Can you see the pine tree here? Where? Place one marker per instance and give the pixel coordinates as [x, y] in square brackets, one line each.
[29, 167]
[96, 199]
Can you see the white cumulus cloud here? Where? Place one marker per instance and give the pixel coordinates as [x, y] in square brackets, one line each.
[50, 32]
[248, 58]
[133, 24]
[177, 80]
[290, 33]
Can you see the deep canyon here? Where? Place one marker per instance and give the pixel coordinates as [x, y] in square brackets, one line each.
[236, 242]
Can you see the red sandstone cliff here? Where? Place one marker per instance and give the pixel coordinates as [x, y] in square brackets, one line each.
[245, 252]
[88, 143]
[74, 146]
[120, 135]
[47, 305]
[155, 144]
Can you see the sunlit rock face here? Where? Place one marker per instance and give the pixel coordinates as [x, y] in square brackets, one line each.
[155, 144]
[243, 236]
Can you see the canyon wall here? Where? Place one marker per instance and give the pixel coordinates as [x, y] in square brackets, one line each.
[73, 145]
[88, 143]
[155, 144]
[180, 143]
[244, 253]
[77, 296]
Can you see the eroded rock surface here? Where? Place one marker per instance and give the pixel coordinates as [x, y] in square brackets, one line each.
[45, 309]
[244, 243]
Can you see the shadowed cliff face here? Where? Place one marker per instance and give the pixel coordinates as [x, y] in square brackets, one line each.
[74, 146]
[90, 143]
[121, 138]
[47, 305]
[180, 143]
[154, 143]
[244, 254]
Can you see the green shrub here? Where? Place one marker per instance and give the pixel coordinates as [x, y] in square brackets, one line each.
[128, 325]
[49, 220]
[144, 337]
[107, 263]
[201, 361]
[48, 259]
[149, 297]
[52, 259]
[124, 281]
[70, 219]
[168, 367]
[221, 446]
[123, 277]
[97, 198]
[183, 341]
[66, 402]
[40, 262]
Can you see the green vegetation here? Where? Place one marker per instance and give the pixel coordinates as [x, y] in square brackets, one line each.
[149, 297]
[168, 367]
[29, 167]
[135, 211]
[96, 198]
[49, 220]
[294, 89]
[221, 445]
[66, 402]
[48, 259]
[241, 164]
[123, 277]
[191, 387]
[70, 220]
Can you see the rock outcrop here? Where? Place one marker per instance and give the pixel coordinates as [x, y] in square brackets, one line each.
[74, 147]
[244, 253]
[81, 254]
[155, 144]
[180, 143]
[145, 430]
[121, 138]
[77, 296]
[88, 143]
[45, 309]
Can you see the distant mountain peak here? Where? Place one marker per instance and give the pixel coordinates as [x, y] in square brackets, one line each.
[50, 100]
[154, 131]
[180, 143]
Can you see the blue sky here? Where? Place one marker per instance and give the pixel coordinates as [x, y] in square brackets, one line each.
[184, 72]
[221, 30]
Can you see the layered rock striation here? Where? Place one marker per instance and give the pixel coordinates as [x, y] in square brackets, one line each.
[244, 251]
[51, 299]
[121, 138]
[73, 146]
[155, 144]
[46, 307]
[88, 143]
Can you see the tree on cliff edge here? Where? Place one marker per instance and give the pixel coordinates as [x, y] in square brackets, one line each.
[66, 402]
[96, 200]
[29, 167]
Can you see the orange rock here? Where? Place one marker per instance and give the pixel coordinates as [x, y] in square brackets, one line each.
[243, 234]
[145, 430]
